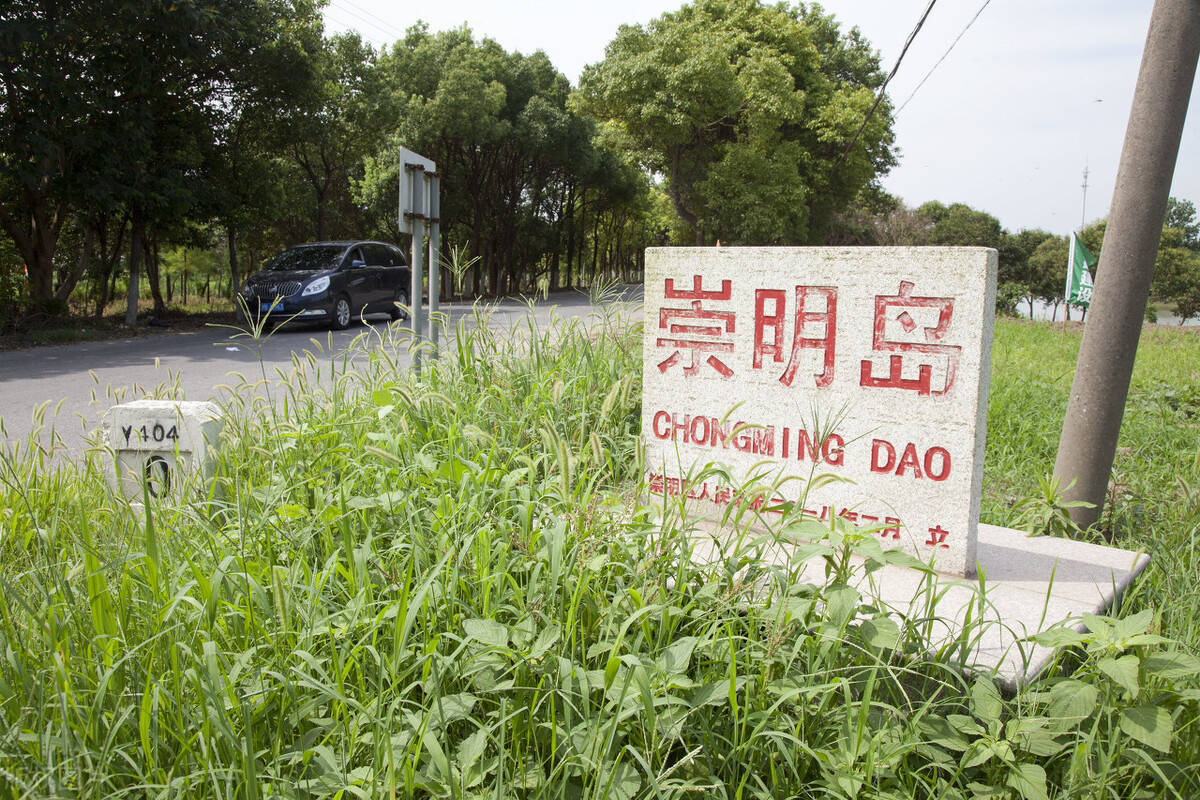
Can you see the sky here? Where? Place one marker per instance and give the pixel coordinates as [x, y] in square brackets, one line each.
[1032, 94]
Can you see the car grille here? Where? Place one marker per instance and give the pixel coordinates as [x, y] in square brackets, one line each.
[269, 291]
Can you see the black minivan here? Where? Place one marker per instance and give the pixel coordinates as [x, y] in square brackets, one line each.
[330, 282]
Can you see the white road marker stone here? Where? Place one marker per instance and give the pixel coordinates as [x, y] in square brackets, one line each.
[160, 447]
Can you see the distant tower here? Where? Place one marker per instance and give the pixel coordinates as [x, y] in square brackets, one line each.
[1083, 211]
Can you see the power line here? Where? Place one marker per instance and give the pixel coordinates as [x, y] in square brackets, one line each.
[883, 88]
[398, 29]
[333, 15]
[364, 16]
[943, 58]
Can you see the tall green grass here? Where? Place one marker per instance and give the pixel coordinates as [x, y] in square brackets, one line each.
[449, 588]
[1153, 500]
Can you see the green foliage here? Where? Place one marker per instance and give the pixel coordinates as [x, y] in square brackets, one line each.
[1015, 251]
[1008, 294]
[875, 218]
[745, 108]
[202, 261]
[239, 127]
[12, 280]
[1048, 270]
[1181, 216]
[1177, 263]
[527, 183]
[98, 120]
[337, 119]
[1047, 512]
[960, 225]
[1177, 278]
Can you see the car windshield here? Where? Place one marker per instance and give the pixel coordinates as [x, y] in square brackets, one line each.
[309, 259]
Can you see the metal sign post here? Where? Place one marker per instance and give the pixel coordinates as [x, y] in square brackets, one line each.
[435, 244]
[418, 207]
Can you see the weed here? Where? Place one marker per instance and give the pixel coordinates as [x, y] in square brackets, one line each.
[443, 589]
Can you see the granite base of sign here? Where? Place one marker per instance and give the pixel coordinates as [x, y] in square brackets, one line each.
[160, 447]
[1026, 585]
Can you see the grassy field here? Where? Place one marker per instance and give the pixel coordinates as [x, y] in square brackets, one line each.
[448, 589]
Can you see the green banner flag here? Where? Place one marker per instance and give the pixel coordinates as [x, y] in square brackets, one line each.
[1079, 277]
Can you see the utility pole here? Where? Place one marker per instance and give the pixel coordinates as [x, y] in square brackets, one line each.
[1097, 401]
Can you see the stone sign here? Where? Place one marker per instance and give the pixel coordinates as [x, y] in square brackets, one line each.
[159, 446]
[869, 366]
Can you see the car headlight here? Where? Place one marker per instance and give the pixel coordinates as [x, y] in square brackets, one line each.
[316, 287]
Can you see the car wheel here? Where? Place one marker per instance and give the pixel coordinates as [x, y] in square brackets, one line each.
[397, 311]
[341, 314]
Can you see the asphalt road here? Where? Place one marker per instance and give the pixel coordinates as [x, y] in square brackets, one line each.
[52, 397]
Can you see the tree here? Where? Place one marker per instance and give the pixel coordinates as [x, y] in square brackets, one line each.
[49, 91]
[1048, 271]
[525, 180]
[337, 121]
[1181, 215]
[1177, 263]
[1015, 267]
[245, 170]
[112, 105]
[1177, 275]
[960, 225]
[872, 218]
[746, 109]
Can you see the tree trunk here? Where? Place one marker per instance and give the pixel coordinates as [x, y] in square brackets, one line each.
[37, 241]
[493, 271]
[570, 215]
[233, 259]
[552, 283]
[677, 197]
[152, 272]
[71, 280]
[595, 247]
[619, 261]
[112, 289]
[321, 215]
[135, 267]
[106, 280]
[476, 254]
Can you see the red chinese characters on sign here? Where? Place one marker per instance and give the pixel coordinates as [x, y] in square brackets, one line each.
[697, 329]
[815, 306]
[912, 345]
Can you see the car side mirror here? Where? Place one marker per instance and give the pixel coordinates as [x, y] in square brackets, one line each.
[356, 263]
